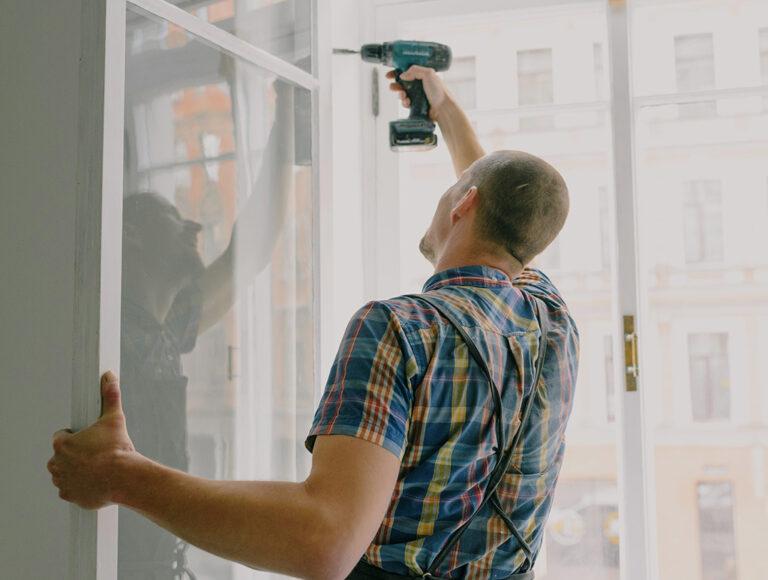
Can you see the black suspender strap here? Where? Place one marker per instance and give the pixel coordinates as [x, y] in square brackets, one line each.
[504, 456]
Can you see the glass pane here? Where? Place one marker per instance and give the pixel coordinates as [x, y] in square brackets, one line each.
[553, 52]
[718, 553]
[702, 209]
[693, 45]
[217, 328]
[281, 27]
[461, 80]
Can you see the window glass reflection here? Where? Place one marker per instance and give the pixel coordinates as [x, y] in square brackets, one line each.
[281, 27]
[682, 46]
[217, 321]
[701, 199]
[704, 274]
[583, 531]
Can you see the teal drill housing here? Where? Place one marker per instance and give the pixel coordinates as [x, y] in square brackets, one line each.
[417, 132]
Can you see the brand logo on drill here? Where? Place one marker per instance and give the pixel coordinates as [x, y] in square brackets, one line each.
[416, 52]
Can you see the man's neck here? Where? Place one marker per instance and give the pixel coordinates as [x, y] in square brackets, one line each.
[449, 260]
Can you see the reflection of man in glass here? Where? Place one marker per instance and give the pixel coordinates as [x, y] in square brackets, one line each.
[169, 297]
[162, 305]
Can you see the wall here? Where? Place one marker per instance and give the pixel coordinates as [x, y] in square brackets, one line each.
[39, 51]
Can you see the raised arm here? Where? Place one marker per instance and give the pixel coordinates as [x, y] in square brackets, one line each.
[454, 124]
[259, 222]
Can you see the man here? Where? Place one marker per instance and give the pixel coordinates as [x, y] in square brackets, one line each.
[404, 438]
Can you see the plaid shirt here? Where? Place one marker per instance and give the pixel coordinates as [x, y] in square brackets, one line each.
[403, 379]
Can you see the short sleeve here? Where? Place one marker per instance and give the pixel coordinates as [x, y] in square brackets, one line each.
[183, 319]
[538, 284]
[368, 394]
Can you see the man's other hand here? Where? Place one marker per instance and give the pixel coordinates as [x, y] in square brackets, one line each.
[434, 88]
[82, 466]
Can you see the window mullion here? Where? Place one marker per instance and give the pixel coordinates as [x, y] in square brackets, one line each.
[228, 42]
[636, 496]
[98, 226]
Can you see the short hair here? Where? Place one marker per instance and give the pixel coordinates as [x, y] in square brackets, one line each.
[522, 202]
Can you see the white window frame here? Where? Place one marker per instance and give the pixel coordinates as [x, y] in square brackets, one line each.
[99, 215]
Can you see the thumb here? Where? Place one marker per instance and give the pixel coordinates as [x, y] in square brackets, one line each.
[110, 394]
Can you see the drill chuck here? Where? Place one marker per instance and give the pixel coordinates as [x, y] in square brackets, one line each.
[372, 53]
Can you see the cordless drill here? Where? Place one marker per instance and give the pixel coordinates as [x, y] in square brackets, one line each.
[417, 132]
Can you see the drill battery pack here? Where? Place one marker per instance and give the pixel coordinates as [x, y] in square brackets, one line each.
[412, 134]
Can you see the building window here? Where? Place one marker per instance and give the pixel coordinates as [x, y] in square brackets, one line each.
[461, 80]
[535, 85]
[695, 71]
[710, 376]
[583, 530]
[610, 386]
[703, 221]
[717, 544]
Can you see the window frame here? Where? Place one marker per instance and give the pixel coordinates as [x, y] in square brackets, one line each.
[94, 548]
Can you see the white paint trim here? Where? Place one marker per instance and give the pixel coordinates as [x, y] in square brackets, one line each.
[385, 201]
[98, 255]
[369, 138]
[111, 246]
[322, 185]
[222, 39]
[636, 482]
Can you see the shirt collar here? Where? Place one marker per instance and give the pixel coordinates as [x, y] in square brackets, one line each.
[482, 276]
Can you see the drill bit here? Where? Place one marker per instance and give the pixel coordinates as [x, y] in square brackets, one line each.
[345, 51]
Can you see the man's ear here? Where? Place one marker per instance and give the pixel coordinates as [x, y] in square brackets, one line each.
[464, 205]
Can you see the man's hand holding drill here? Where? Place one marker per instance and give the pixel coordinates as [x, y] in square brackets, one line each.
[454, 124]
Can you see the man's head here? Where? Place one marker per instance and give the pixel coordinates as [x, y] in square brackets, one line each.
[158, 241]
[508, 203]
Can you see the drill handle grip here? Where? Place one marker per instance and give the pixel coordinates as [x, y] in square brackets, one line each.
[415, 92]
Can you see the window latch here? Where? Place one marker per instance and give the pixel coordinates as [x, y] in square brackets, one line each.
[631, 368]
